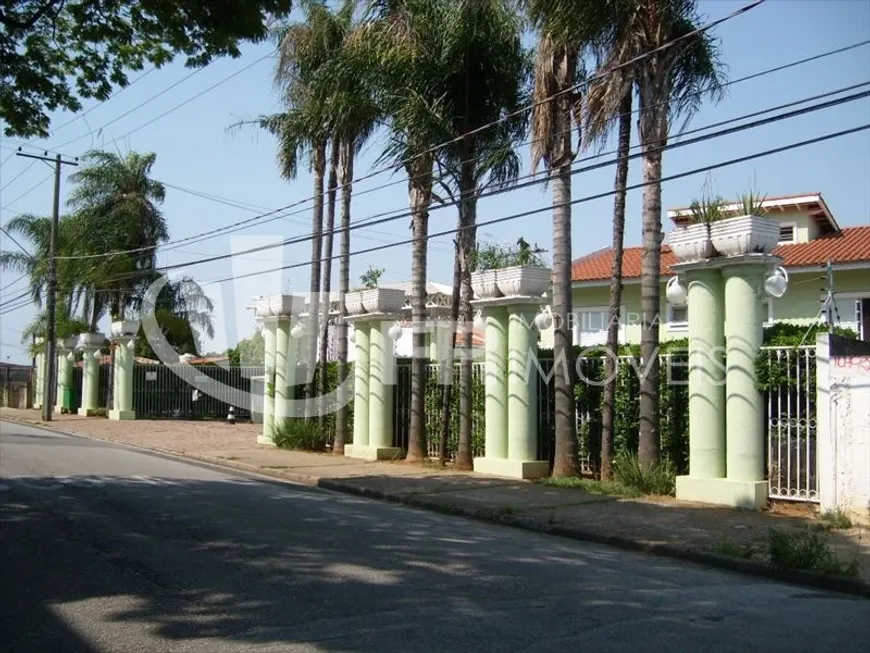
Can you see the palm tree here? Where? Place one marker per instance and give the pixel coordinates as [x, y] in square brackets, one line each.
[346, 86]
[117, 204]
[183, 312]
[609, 100]
[406, 42]
[670, 83]
[555, 115]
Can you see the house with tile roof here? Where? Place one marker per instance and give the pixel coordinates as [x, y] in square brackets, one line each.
[810, 238]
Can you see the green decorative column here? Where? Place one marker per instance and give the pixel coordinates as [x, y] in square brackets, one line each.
[744, 405]
[283, 371]
[64, 376]
[374, 378]
[90, 373]
[270, 328]
[706, 314]
[495, 385]
[360, 390]
[511, 386]
[123, 335]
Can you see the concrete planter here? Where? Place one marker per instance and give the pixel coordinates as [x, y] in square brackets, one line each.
[263, 306]
[748, 234]
[692, 243]
[91, 340]
[286, 305]
[523, 281]
[383, 300]
[67, 343]
[354, 302]
[484, 284]
[125, 328]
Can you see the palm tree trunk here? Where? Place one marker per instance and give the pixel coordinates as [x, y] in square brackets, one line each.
[467, 238]
[327, 278]
[420, 195]
[447, 361]
[346, 167]
[565, 461]
[610, 361]
[648, 436]
[319, 165]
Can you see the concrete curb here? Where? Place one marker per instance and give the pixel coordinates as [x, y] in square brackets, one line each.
[748, 567]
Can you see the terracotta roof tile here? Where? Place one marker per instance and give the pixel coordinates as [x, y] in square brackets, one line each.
[851, 245]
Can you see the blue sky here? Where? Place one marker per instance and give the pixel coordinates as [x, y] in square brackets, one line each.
[195, 151]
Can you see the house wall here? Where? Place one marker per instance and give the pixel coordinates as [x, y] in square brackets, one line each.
[806, 228]
[800, 304]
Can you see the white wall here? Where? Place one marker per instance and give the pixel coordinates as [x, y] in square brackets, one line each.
[843, 422]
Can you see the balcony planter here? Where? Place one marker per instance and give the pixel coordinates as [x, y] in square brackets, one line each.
[523, 281]
[91, 340]
[748, 234]
[484, 284]
[692, 243]
[125, 328]
[383, 300]
[354, 302]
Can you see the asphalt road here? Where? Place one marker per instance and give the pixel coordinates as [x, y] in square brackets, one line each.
[104, 548]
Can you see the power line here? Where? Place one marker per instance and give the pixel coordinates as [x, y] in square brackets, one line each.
[20, 246]
[15, 178]
[533, 182]
[189, 100]
[12, 283]
[265, 218]
[588, 198]
[30, 190]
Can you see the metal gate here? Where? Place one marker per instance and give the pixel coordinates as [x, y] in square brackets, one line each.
[791, 423]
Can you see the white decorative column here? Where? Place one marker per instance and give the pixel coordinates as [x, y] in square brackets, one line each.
[123, 335]
[270, 327]
[39, 381]
[64, 375]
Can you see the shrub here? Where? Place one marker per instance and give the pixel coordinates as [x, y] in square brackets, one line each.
[300, 435]
[807, 551]
[656, 479]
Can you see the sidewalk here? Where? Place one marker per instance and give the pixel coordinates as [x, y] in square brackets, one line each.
[659, 525]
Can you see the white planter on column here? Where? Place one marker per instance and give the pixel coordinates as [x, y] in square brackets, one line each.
[383, 300]
[484, 284]
[354, 302]
[125, 328]
[521, 281]
[286, 305]
[691, 243]
[91, 340]
[748, 234]
[67, 343]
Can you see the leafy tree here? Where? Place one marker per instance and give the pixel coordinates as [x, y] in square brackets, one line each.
[183, 313]
[55, 52]
[249, 352]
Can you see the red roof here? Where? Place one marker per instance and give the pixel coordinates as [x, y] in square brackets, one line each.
[850, 245]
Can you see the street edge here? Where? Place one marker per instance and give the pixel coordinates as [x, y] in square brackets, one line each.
[747, 567]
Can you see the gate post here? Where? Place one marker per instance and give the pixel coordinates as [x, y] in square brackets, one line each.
[90, 344]
[123, 336]
[40, 374]
[64, 374]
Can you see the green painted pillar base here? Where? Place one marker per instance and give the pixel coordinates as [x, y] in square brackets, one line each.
[121, 415]
[750, 495]
[495, 384]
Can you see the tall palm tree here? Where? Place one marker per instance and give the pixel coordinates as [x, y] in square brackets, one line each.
[608, 101]
[118, 204]
[407, 40]
[556, 113]
[346, 86]
[671, 83]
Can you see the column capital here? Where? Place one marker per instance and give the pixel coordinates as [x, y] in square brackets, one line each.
[728, 264]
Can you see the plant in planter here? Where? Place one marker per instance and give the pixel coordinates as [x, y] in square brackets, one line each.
[694, 242]
[483, 262]
[526, 273]
[751, 232]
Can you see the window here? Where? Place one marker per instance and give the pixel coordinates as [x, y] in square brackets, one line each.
[590, 326]
[786, 233]
[678, 318]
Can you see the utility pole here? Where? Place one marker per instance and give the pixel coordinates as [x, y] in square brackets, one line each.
[48, 398]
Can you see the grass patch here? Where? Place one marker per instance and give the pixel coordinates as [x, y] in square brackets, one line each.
[590, 486]
[299, 435]
[807, 551]
[658, 479]
[837, 519]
